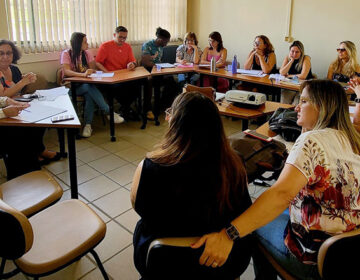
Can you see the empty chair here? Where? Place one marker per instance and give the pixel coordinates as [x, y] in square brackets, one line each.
[51, 239]
[31, 192]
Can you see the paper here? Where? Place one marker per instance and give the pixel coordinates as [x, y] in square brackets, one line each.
[276, 77]
[102, 75]
[37, 112]
[219, 96]
[51, 94]
[254, 73]
[204, 65]
[165, 65]
[184, 65]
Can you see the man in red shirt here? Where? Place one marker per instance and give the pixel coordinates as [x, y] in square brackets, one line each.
[116, 55]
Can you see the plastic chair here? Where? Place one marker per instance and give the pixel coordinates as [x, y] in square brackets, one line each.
[207, 91]
[50, 240]
[335, 258]
[31, 192]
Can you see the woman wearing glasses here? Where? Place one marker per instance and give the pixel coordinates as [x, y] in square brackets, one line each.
[192, 183]
[189, 52]
[262, 57]
[346, 65]
[217, 51]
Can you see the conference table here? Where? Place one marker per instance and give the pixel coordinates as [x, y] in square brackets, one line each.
[120, 76]
[71, 127]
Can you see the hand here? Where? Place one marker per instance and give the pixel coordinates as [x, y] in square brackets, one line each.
[88, 72]
[154, 56]
[355, 86]
[131, 66]
[217, 248]
[11, 101]
[13, 110]
[183, 62]
[291, 59]
[29, 78]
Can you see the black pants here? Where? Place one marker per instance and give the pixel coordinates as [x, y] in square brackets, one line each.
[20, 148]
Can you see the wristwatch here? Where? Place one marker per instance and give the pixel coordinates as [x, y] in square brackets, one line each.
[232, 232]
[357, 100]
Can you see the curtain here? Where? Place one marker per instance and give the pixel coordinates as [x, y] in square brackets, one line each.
[46, 25]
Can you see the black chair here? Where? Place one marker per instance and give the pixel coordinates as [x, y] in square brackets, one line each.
[169, 55]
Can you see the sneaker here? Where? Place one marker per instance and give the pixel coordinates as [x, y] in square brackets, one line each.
[150, 116]
[87, 131]
[117, 118]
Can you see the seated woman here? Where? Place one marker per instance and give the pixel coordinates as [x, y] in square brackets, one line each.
[13, 82]
[193, 183]
[262, 57]
[296, 64]
[189, 52]
[217, 51]
[152, 53]
[79, 62]
[346, 65]
[318, 184]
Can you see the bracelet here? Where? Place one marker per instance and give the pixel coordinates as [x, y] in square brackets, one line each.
[357, 100]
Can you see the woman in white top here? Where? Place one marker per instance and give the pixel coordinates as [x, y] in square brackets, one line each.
[318, 185]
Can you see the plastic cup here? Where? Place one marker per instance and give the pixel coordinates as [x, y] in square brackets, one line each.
[158, 67]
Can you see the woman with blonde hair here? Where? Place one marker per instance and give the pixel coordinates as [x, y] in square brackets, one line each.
[346, 65]
[193, 183]
[298, 65]
[318, 185]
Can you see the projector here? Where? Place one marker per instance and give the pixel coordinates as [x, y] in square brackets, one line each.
[240, 97]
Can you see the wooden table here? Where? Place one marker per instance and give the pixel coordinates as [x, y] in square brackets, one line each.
[120, 76]
[71, 126]
[245, 114]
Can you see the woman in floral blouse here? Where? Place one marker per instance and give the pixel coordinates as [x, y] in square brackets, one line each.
[318, 185]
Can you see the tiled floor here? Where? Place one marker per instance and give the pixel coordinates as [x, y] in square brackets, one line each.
[105, 171]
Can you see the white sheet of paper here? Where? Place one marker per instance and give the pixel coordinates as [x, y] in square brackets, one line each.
[53, 93]
[102, 75]
[165, 65]
[37, 112]
[254, 73]
[219, 96]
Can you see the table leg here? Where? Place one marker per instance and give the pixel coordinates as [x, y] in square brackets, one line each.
[245, 124]
[111, 112]
[72, 162]
[146, 104]
[215, 83]
[61, 137]
[156, 100]
[201, 80]
[73, 96]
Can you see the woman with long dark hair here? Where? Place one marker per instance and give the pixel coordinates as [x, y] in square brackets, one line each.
[192, 183]
[79, 62]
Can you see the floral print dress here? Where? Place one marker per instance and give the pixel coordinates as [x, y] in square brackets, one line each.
[330, 202]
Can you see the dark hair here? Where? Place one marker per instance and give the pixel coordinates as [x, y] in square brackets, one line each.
[330, 99]
[196, 132]
[76, 42]
[269, 47]
[162, 33]
[15, 50]
[120, 29]
[217, 37]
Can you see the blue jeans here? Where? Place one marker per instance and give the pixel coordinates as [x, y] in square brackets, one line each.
[271, 237]
[92, 96]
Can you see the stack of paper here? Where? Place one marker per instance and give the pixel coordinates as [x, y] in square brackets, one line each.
[165, 65]
[254, 73]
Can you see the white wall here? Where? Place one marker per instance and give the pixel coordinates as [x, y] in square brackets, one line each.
[319, 24]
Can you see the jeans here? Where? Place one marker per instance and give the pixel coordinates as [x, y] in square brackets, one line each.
[271, 236]
[92, 96]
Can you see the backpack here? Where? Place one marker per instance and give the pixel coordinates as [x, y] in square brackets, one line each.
[284, 123]
[259, 156]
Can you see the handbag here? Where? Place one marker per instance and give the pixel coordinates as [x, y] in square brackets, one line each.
[284, 123]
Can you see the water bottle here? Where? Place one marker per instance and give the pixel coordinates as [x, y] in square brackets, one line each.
[234, 65]
[212, 65]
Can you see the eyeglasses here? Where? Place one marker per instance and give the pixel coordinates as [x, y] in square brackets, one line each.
[257, 43]
[168, 113]
[212, 40]
[122, 37]
[6, 53]
[190, 41]
[340, 50]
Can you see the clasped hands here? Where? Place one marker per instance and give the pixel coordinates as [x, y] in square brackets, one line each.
[14, 107]
[217, 248]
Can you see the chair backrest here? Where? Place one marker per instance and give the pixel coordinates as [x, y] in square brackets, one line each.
[169, 55]
[207, 91]
[336, 256]
[16, 234]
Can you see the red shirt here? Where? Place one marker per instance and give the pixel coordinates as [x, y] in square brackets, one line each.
[114, 57]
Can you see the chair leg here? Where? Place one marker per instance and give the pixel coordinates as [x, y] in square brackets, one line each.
[101, 267]
[2, 267]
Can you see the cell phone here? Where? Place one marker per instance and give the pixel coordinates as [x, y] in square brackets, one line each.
[62, 118]
[259, 136]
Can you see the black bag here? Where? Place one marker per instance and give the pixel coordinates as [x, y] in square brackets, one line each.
[283, 122]
[259, 156]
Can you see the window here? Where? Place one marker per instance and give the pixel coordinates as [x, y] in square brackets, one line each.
[46, 25]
